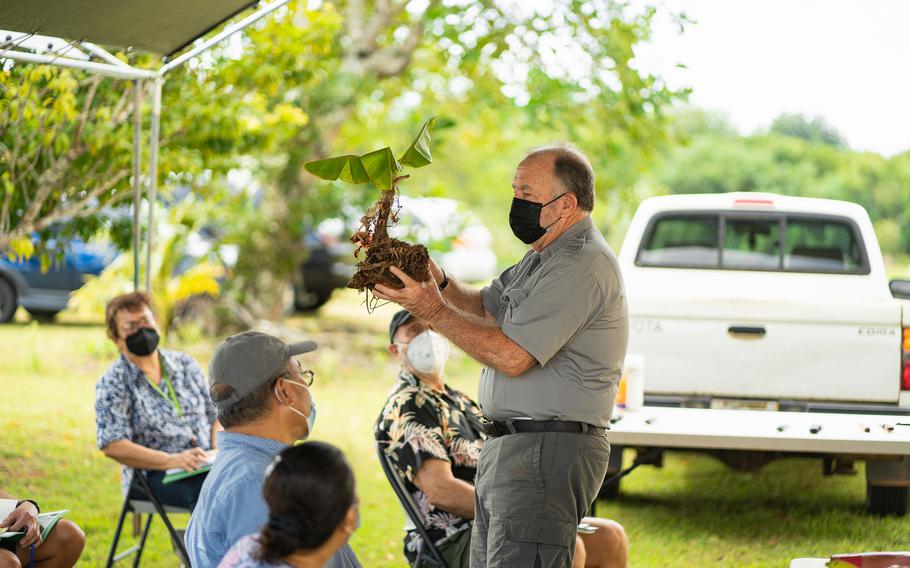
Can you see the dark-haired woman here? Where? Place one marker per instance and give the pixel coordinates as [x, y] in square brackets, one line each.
[312, 511]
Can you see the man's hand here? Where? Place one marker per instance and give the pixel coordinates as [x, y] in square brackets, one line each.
[24, 517]
[188, 459]
[422, 299]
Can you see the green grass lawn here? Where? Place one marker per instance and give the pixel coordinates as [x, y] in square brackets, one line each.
[693, 512]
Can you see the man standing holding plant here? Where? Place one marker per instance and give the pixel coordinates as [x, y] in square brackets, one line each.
[552, 331]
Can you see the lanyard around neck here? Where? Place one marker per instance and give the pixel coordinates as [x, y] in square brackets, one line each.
[173, 398]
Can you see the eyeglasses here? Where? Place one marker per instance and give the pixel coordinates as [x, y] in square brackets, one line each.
[127, 328]
[307, 375]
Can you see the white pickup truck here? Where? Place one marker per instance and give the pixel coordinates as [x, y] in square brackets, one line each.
[768, 330]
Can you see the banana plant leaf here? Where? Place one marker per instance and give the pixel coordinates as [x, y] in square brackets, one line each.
[379, 167]
[349, 168]
[418, 153]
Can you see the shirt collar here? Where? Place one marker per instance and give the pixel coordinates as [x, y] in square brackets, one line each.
[235, 440]
[411, 380]
[561, 242]
[166, 359]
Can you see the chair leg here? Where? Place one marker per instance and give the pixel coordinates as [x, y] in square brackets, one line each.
[419, 560]
[181, 549]
[123, 512]
[145, 535]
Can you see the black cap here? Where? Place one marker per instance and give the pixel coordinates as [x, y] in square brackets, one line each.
[399, 319]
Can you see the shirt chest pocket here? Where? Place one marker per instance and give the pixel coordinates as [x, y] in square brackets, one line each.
[512, 298]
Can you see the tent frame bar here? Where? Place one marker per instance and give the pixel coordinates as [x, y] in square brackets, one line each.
[115, 68]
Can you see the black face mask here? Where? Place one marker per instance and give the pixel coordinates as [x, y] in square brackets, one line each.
[142, 342]
[524, 219]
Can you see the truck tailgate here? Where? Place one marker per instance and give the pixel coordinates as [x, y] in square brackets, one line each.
[714, 429]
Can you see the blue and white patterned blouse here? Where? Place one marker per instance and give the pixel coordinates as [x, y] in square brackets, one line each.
[128, 408]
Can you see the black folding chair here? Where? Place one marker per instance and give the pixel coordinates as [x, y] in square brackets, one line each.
[150, 507]
[433, 557]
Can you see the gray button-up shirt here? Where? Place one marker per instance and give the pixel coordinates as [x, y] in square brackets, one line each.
[566, 306]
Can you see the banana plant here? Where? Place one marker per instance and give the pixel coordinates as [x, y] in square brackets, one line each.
[382, 169]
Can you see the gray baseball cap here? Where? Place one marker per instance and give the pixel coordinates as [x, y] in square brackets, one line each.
[246, 361]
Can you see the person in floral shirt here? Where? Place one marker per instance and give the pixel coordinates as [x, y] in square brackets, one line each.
[153, 410]
[433, 435]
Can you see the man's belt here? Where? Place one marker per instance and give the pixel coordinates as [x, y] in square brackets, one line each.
[506, 427]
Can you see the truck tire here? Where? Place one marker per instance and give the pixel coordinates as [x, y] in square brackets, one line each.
[8, 303]
[881, 500]
[309, 301]
[43, 316]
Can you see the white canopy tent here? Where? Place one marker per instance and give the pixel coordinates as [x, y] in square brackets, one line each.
[67, 33]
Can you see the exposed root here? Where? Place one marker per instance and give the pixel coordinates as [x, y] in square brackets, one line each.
[380, 252]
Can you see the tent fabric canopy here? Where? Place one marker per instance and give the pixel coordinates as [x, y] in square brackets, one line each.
[163, 27]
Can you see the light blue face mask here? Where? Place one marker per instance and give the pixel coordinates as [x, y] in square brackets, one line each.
[311, 419]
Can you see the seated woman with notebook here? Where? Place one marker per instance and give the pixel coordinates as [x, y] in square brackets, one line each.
[153, 410]
[61, 546]
[313, 511]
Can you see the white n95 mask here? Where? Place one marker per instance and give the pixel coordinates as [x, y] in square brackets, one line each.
[428, 352]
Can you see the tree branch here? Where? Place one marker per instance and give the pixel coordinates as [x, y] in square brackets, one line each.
[72, 210]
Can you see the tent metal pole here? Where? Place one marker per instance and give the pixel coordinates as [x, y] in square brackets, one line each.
[116, 71]
[104, 54]
[153, 177]
[137, 176]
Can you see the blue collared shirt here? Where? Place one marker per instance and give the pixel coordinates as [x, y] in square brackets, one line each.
[127, 407]
[231, 505]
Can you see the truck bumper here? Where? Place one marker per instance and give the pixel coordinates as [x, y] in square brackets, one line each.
[878, 437]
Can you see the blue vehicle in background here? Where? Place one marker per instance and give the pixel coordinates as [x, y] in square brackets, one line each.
[44, 294]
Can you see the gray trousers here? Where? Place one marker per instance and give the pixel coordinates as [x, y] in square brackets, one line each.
[531, 491]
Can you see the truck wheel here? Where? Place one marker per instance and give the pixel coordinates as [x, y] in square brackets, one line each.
[307, 301]
[7, 300]
[886, 500]
[43, 316]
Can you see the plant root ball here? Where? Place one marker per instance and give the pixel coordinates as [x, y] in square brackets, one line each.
[414, 260]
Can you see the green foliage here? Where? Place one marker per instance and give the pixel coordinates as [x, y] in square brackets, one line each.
[379, 166]
[317, 77]
[718, 162]
[814, 130]
[169, 289]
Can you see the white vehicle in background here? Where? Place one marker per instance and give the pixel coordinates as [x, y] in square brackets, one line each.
[768, 330]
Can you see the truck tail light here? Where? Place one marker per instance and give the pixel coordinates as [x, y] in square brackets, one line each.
[905, 360]
[753, 202]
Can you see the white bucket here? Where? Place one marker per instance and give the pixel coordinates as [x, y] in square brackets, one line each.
[634, 375]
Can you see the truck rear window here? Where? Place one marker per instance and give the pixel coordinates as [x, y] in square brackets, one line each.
[791, 243]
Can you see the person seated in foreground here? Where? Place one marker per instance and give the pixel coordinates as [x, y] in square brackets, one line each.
[152, 406]
[61, 549]
[313, 511]
[433, 436]
[265, 405]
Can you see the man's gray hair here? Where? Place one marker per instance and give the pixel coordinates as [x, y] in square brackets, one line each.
[572, 169]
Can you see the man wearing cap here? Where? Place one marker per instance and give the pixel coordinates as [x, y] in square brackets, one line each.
[264, 403]
[552, 332]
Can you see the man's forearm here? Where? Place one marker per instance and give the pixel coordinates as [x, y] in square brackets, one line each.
[457, 499]
[484, 342]
[465, 298]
